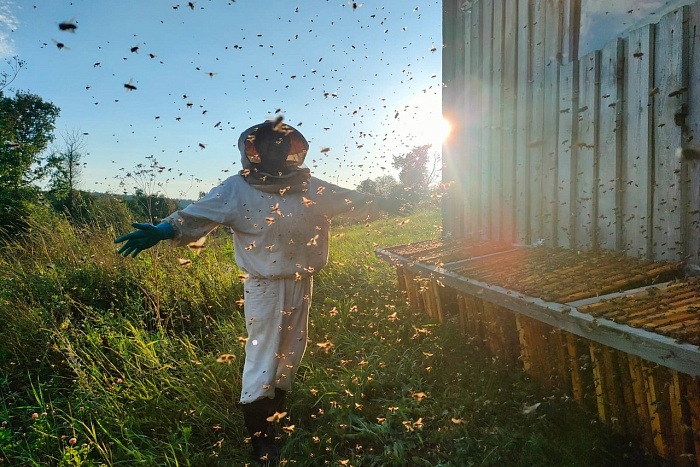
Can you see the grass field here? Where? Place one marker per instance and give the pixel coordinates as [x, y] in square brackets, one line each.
[112, 361]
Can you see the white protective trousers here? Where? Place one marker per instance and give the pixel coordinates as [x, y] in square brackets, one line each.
[277, 317]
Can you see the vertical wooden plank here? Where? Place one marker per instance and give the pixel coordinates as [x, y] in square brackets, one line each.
[613, 389]
[601, 393]
[611, 132]
[574, 29]
[683, 445]
[522, 179]
[435, 289]
[510, 103]
[561, 361]
[424, 302]
[496, 130]
[640, 399]
[654, 400]
[577, 386]
[670, 176]
[485, 137]
[525, 353]
[586, 163]
[476, 315]
[692, 136]
[638, 164]
[462, 315]
[536, 137]
[411, 288]
[465, 178]
[450, 210]
[692, 394]
[630, 420]
[476, 99]
[566, 154]
[552, 57]
[401, 279]
[453, 78]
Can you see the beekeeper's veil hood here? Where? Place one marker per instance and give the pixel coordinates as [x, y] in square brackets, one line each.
[272, 154]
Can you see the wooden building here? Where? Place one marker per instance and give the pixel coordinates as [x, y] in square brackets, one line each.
[577, 131]
[578, 151]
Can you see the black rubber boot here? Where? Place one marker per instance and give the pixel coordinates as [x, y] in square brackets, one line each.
[279, 400]
[265, 447]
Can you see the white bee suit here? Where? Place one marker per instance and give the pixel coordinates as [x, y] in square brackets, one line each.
[280, 240]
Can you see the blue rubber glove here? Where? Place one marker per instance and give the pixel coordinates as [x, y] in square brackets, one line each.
[146, 236]
[393, 205]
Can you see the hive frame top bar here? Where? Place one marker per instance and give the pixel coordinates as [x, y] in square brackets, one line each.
[657, 348]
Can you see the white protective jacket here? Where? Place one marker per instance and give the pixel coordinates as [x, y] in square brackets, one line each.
[275, 235]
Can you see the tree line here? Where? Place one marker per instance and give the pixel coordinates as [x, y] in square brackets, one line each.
[30, 155]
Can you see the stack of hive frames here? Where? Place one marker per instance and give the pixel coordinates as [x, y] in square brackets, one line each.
[425, 293]
[562, 276]
[445, 250]
[636, 396]
[671, 310]
[667, 402]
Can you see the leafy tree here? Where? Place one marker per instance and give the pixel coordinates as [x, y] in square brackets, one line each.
[418, 170]
[27, 123]
[383, 185]
[413, 166]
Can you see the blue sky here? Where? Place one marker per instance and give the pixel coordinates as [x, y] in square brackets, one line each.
[364, 82]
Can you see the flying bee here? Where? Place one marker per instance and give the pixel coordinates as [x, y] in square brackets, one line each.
[68, 25]
[135, 49]
[210, 74]
[130, 85]
[225, 358]
[191, 5]
[60, 45]
[355, 5]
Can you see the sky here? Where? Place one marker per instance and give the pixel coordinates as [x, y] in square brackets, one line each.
[603, 20]
[361, 81]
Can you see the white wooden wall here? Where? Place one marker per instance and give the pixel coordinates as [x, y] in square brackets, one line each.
[578, 152]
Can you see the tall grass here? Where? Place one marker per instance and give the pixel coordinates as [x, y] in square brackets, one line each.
[111, 361]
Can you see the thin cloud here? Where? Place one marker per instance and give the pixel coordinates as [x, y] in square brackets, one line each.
[8, 23]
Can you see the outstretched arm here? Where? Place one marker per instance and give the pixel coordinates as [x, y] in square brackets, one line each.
[393, 205]
[145, 236]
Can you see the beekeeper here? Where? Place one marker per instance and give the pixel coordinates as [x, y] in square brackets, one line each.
[281, 218]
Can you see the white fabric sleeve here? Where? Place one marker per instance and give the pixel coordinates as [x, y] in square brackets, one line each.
[337, 201]
[201, 217]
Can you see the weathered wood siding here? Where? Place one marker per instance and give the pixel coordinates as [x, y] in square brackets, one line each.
[572, 151]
